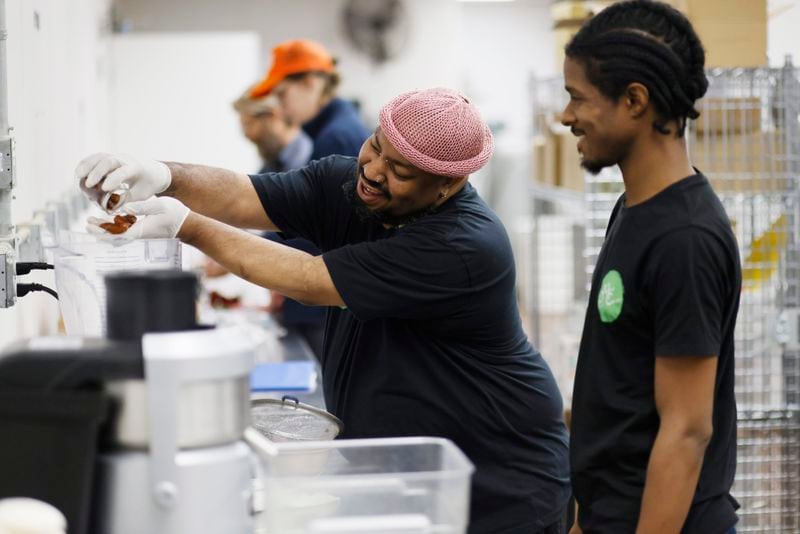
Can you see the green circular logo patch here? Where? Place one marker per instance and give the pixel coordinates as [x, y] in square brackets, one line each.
[610, 297]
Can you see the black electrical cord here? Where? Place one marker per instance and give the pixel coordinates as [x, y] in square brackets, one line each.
[24, 289]
[25, 267]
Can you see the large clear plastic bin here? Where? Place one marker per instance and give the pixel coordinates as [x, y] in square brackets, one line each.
[375, 486]
[81, 261]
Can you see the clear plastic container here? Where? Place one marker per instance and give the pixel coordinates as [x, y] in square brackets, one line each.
[81, 261]
[109, 201]
[386, 486]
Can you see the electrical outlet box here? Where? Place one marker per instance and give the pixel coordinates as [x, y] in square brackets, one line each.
[8, 289]
[7, 167]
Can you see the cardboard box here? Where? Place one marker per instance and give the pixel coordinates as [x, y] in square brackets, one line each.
[556, 160]
[570, 173]
[568, 17]
[743, 163]
[545, 154]
[563, 35]
[728, 115]
[733, 32]
[572, 11]
[568, 10]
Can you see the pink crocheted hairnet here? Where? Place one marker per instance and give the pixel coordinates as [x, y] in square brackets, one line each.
[438, 131]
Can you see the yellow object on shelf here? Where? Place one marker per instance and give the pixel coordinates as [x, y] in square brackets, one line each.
[762, 261]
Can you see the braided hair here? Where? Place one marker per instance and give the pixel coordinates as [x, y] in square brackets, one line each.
[650, 43]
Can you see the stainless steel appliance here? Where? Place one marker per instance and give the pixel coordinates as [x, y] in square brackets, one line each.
[142, 432]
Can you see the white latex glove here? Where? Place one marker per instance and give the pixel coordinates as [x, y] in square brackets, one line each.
[144, 177]
[157, 218]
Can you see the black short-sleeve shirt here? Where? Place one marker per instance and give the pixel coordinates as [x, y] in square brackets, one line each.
[666, 284]
[431, 341]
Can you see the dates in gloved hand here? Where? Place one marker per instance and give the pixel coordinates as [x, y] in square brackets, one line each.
[113, 201]
[120, 225]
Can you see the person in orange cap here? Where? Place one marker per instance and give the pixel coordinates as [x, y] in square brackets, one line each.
[304, 78]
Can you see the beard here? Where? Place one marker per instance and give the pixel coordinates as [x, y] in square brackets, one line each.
[383, 217]
[594, 167]
[613, 152]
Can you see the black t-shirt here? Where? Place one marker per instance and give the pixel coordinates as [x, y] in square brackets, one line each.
[431, 341]
[666, 283]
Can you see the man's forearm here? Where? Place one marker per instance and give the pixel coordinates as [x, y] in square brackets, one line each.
[291, 272]
[672, 475]
[220, 194]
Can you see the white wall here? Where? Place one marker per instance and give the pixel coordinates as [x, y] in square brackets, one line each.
[57, 91]
[57, 80]
[782, 32]
[171, 96]
[486, 49]
[505, 44]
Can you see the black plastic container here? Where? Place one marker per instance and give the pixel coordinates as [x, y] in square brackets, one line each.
[48, 446]
[151, 301]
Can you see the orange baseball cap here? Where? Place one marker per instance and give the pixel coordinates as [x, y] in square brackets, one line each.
[294, 57]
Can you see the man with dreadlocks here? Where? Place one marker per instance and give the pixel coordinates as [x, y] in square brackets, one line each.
[653, 444]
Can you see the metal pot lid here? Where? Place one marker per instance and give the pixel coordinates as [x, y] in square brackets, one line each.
[288, 419]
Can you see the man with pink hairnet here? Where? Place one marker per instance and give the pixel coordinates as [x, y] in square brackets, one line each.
[423, 334]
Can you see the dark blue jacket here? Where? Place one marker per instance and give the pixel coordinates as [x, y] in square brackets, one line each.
[337, 129]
